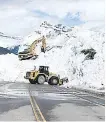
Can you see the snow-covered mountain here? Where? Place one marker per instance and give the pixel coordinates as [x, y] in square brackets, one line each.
[75, 52]
[8, 41]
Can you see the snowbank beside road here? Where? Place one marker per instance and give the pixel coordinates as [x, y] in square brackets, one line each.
[9, 68]
[77, 54]
[13, 70]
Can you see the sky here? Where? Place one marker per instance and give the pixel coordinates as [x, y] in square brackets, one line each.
[68, 20]
[22, 16]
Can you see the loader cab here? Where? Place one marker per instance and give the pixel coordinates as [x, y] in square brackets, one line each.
[44, 69]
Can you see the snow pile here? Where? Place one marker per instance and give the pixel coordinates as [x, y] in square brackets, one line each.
[64, 55]
[8, 67]
[13, 70]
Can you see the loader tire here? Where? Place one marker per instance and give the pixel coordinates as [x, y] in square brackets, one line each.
[41, 79]
[32, 81]
[53, 81]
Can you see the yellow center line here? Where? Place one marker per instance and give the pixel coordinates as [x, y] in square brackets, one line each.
[39, 111]
[36, 109]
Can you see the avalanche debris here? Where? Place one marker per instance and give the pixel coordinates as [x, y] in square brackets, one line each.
[75, 52]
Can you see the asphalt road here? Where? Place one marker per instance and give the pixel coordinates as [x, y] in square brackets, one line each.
[23, 101]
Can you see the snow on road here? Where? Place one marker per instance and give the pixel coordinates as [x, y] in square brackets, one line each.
[81, 113]
[18, 114]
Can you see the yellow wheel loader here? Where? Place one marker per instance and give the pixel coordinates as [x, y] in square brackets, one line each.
[43, 75]
[30, 52]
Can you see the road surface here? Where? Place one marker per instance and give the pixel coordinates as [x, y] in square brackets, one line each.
[24, 101]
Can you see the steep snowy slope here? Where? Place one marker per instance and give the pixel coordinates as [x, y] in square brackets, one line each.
[74, 52]
[67, 56]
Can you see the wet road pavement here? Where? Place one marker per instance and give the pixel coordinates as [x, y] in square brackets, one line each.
[55, 103]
